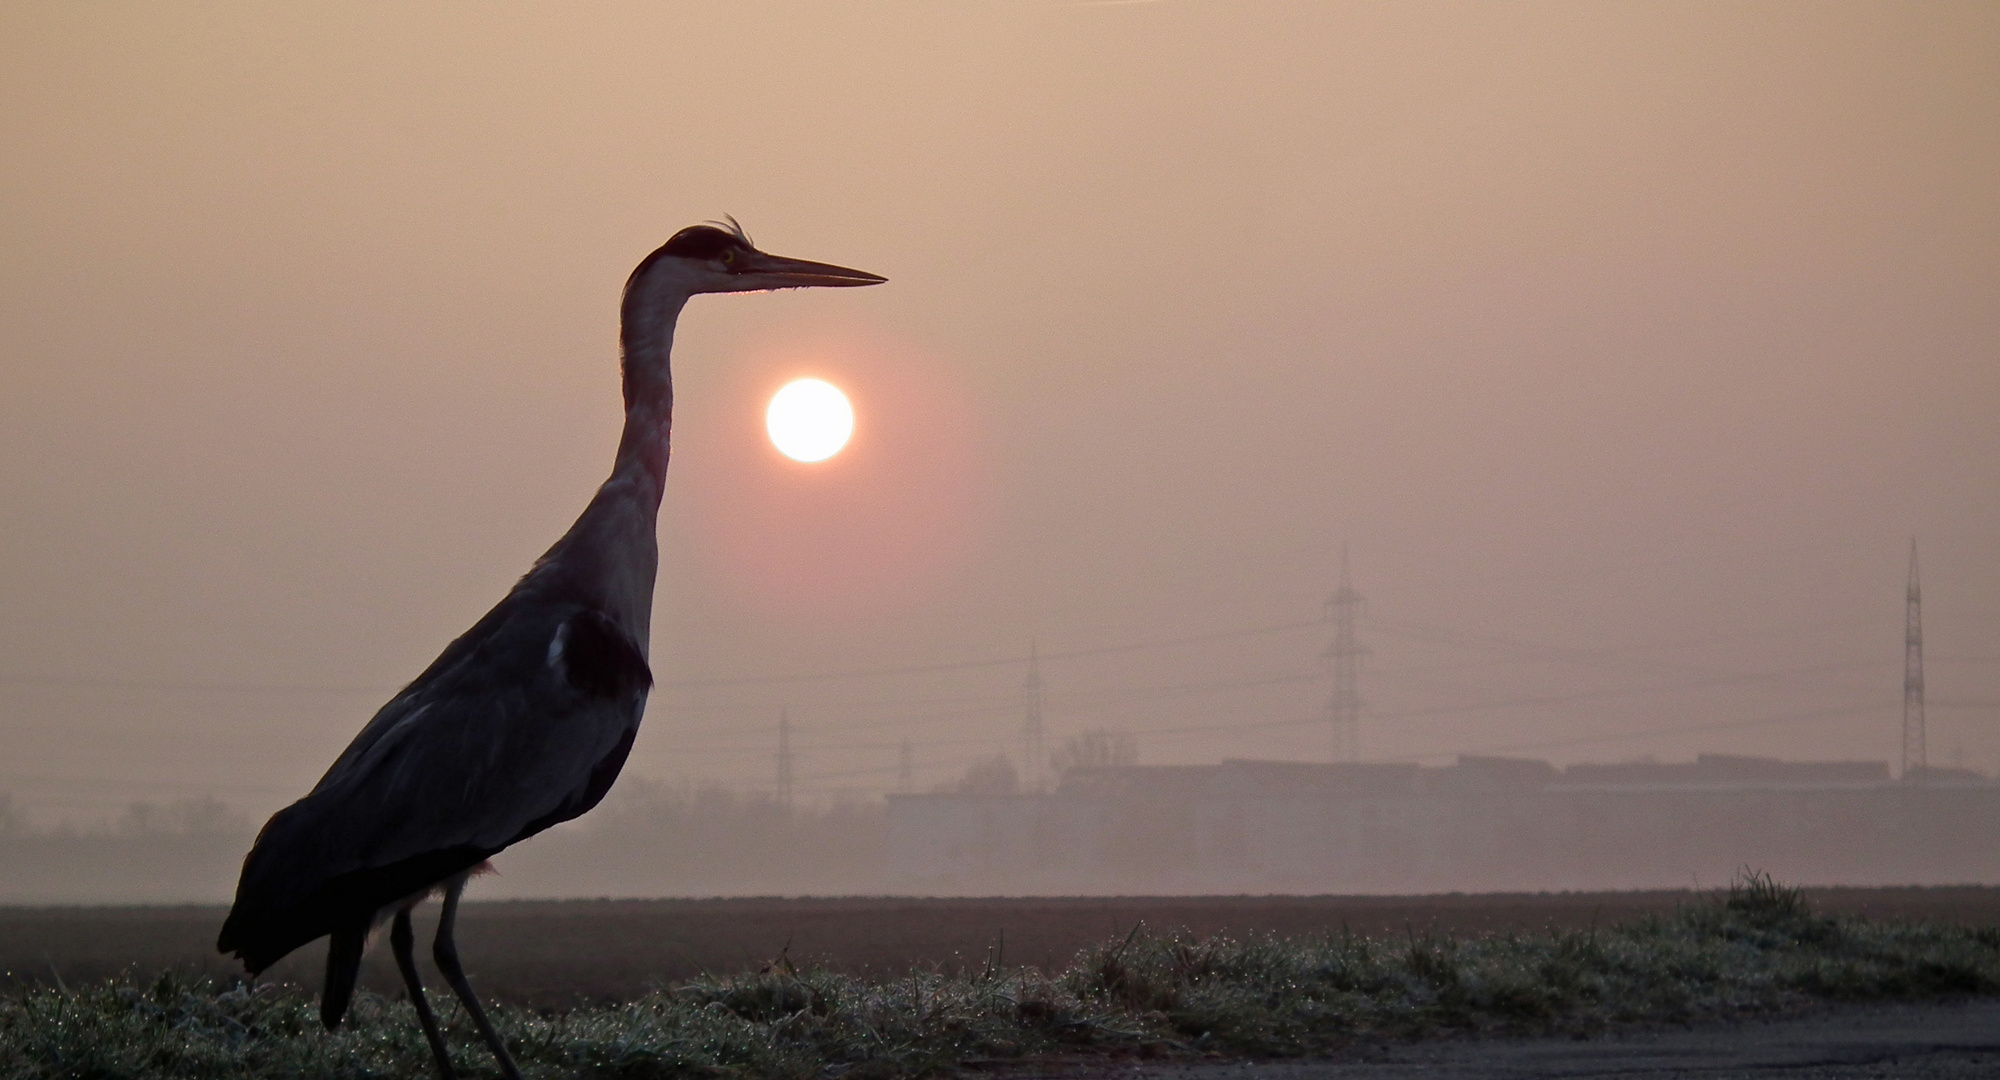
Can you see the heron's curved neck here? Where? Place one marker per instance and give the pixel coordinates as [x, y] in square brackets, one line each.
[609, 558]
[647, 343]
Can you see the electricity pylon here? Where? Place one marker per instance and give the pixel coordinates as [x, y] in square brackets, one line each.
[1343, 705]
[1914, 761]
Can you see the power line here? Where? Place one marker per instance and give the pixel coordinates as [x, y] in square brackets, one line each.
[192, 687]
[113, 781]
[1393, 627]
[1543, 699]
[998, 705]
[1678, 729]
[1141, 693]
[744, 680]
[1517, 747]
[1615, 658]
[969, 665]
[1680, 686]
[1621, 736]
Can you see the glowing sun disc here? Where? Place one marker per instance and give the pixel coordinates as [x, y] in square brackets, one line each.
[809, 420]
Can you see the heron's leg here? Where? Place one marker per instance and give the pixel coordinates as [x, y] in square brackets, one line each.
[445, 951]
[402, 938]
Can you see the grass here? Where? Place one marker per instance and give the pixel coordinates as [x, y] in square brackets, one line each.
[1758, 948]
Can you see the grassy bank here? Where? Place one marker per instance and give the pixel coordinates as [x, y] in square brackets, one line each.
[1758, 948]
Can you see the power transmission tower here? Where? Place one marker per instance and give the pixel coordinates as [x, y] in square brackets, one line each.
[1031, 726]
[1343, 705]
[785, 760]
[906, 771]
[1914, 762]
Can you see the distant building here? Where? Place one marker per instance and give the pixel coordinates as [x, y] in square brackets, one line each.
[1482, 824]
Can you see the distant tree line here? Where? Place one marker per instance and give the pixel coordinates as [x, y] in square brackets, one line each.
[995, 774]
[656, 839]
[201, 815]
[181, 851]
[648, 839]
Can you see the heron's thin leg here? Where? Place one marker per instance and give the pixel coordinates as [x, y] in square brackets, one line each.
[445, 951]
[402, 938]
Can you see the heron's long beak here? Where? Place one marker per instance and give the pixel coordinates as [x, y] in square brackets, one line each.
[762, 271]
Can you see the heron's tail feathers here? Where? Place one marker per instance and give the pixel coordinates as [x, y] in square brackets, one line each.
[343, 964]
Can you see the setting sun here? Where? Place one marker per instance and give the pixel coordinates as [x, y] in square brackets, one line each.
[809, 420]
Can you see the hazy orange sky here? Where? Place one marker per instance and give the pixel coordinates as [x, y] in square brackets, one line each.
[1626, 344]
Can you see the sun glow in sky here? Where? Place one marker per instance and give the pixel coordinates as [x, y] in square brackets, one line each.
[809, 420]
[1590, 327]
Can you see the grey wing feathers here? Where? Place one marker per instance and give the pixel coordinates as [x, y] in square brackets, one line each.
[521, 723]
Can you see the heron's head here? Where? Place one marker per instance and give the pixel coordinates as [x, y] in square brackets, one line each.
[719, 257]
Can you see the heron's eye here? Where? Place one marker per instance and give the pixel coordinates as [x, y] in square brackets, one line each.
[729, 257]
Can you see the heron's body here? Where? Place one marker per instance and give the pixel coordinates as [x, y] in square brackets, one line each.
[526, 719]
[521, 723]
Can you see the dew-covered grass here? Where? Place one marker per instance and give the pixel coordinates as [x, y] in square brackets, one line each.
[1757, 948]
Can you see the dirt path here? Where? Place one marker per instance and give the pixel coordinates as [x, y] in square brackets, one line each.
[1904, 1042]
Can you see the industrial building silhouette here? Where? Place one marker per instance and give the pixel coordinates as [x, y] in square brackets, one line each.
[1481, 824]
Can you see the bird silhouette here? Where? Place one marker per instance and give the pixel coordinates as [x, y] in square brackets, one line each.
[526, 719]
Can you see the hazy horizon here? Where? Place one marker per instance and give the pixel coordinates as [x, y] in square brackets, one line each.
[1625, 348]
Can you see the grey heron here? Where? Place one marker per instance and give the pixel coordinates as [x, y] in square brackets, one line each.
[523, 721]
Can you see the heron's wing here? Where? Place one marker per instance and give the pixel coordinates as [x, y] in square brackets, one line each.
[483, 748]
[522, 722]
